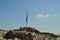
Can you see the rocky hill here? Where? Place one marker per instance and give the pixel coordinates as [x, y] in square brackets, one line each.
[22, 35]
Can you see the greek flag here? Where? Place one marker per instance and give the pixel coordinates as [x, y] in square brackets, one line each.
[26, 19]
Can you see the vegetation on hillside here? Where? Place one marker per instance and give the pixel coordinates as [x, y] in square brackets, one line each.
[29, 29]
[24, 36]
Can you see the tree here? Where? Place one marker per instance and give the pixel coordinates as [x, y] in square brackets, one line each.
[9, 35]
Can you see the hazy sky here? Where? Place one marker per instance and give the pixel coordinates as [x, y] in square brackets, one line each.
[44, 15]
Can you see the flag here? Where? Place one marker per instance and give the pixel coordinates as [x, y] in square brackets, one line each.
[26, 19]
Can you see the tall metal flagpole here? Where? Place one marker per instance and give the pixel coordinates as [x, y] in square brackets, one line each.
[26, 19]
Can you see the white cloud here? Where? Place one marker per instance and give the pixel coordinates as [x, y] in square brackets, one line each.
[42, 15]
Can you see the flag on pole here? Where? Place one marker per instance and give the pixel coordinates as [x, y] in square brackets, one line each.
[26, 19]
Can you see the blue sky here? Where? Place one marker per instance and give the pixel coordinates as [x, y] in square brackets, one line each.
[44, 15]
